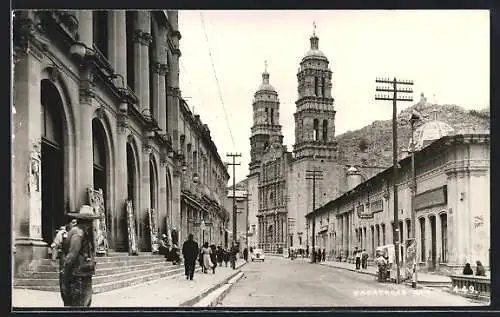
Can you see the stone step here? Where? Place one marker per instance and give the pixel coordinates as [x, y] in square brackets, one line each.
[105, 265]
[100, 271]
[105, 287]
[113, 258]
[100, 279]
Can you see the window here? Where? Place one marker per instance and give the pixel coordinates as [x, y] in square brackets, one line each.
[267, 116]
[316, 86]
[316, 129]
[422, 239]
[130, 28]
[272, 116]
[100, 30]
[324, 86]
[152, 62]
[444, 238]
[377, 227]
[408, 228]
[383, 233]
[325, 130]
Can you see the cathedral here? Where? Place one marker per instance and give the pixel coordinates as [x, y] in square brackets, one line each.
[280, 182]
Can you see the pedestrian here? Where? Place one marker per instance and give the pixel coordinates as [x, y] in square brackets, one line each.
[467, 270]
[233, 252]
[189, 252]
[245, 254]
[226, 256]
[175, 255]
[61, 247]
[207, 263]
[382, 266]
[220, 255]
[56, 246]
[364, 259]
[357, 256]
[79, 263]
[480, 271]
[164, 246]
[323, 255]
[213, 257]
[307, 252]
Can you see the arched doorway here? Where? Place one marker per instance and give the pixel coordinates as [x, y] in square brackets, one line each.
[101, 167]
[52, 161]
[131, 190]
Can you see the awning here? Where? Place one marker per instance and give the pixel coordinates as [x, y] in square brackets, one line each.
[193, 202]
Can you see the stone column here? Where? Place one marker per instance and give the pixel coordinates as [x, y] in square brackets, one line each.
[162, 98]
[26, 160]
[121, 190]
[85, 159]
[118, 44]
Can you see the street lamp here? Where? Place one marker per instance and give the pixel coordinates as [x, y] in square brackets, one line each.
[415, 117]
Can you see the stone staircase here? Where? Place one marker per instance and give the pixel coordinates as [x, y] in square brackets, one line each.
[117, 270]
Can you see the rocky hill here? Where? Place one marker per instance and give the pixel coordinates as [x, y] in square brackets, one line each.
[372, 145]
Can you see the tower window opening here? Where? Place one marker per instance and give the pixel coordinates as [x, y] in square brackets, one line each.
[324, 86]
[316, 130]
[316, 86]
[325, 130]
[266, 118]
[272, 116]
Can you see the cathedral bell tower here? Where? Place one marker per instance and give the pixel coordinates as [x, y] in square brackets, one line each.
[315, 114]
[266, 129]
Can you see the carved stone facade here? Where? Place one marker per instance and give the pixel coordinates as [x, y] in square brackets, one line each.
[452, 207]
[86, 115]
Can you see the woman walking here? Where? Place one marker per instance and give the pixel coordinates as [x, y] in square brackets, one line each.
[213, 257]
[207, 263]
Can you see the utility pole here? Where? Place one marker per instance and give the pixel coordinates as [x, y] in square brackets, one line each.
[314, 175]
[415, 117]
[393, 88]
[234, 164]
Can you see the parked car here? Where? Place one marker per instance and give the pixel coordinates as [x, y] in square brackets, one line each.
[257, 255]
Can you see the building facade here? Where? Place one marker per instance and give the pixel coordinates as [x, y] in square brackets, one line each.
[279, 183]
[97, 105]
[452, 205]
[244, 233]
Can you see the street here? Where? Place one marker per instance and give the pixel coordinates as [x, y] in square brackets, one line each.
[281, 282]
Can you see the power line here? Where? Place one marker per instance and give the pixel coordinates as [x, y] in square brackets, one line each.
[216, 79]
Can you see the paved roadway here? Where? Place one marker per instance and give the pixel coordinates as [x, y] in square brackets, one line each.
[281, 282]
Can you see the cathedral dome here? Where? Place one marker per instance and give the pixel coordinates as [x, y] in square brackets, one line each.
[429, 132]
[265, 86]
[314, 52]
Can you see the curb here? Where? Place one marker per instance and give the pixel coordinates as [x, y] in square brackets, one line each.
[190, 302]
[224, 290]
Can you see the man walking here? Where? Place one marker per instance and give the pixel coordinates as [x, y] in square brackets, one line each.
[357, 255]
[245, 254]
[364, 259]
[79, 264]
[190, 252]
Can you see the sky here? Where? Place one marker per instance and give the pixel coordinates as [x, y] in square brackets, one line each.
[445, 53]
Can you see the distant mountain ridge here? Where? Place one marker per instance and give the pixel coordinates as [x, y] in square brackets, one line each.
[372, 144]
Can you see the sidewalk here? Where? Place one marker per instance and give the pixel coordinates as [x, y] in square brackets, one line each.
[173, 291]
[372, 270]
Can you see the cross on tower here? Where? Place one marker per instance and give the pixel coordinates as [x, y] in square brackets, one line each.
[265, 66]
[314, 28]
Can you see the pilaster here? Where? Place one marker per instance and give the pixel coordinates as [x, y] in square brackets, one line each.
[27, 157]
[85, 157]
[121, 189]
